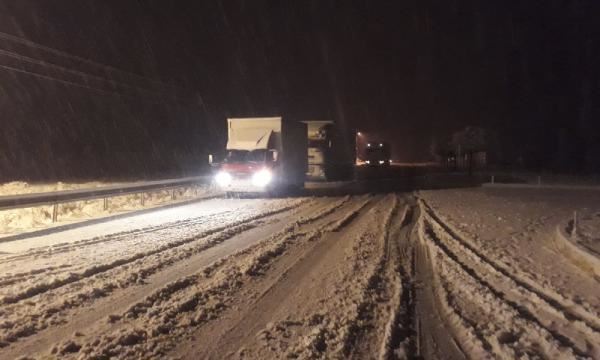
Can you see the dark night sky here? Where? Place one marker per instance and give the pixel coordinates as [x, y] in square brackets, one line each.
[527, 71]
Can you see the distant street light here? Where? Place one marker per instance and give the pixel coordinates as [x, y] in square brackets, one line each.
[356, 148]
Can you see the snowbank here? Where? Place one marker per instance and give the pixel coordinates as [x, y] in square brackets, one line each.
[22, 220]
[574, 249]
[20, 187]
[588, 231]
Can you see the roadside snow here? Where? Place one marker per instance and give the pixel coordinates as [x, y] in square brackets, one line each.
[516, 227]
[502, 299]
[21, 187]
[588, 231]
[28, 219]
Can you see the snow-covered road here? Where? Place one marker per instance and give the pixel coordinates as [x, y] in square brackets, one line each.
[370, 276]
[501, 276]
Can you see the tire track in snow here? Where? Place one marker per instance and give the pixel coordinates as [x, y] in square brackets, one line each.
[117, 236]
[100, 268]
[260, 262]
[570, 310]
[365, 306]
[466, 338]
[130, 235]
[552, 313]
[317, 333]
[530, 304]
[505, 330]
[174, 261]
[53, 252]
[44, 313]
[399, 338]
[187, 303]
[520, 306]
[383, 286]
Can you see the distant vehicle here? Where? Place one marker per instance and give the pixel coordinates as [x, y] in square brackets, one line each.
[264, 155]
[377, 154]
[331, 151]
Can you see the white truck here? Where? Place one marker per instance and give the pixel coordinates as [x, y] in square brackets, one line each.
[264, 155]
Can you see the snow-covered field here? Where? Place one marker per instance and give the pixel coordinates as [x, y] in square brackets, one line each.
[40, 217]
[439, 274]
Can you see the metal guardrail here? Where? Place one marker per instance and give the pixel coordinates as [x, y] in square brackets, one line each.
[58, 197]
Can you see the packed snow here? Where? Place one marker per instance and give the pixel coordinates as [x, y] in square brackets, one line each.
[500, 267]
[475, 273]
[517, 227]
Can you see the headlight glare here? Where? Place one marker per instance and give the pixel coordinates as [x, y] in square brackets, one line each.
[223, 178]
[262, 178]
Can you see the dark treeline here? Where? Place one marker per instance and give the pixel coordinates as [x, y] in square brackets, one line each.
[411, 70]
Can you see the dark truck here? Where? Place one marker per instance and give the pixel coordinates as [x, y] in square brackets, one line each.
[377, 154]
[331, 151]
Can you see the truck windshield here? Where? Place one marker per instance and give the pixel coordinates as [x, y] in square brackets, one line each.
[377, 153]
[242, 156]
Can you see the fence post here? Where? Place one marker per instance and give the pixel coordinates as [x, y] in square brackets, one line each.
[55, 212]
[143, 199]
[492, 179]
[172, 194]
[105, 204]
[574, 231]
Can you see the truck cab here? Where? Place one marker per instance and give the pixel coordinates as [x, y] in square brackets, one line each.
[247, 169]
[377, 154]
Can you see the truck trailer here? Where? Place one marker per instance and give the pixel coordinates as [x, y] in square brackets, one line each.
[264, 155]
[331, 151]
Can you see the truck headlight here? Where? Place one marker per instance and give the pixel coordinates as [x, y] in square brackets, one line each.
[262, 178]
[223, 178]
[381, 162]
[368, 161]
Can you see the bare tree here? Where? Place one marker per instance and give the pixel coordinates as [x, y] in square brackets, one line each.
[468, 141]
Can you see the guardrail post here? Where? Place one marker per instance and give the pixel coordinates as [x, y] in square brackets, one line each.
[172, 194]
[55, 212]
[143, 201]
[574, 231]
[105, 204]
[492, 179]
